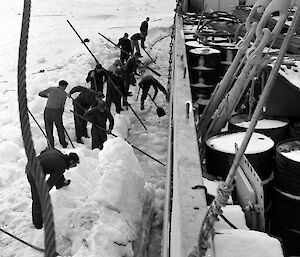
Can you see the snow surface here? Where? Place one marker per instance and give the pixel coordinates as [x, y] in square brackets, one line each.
[102, 206]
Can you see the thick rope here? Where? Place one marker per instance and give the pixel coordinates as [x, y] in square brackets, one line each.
[34, 165]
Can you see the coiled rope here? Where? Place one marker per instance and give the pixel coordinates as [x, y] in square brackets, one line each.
[34, 165]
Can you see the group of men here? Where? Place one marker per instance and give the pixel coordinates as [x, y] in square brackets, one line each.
[90, 101]
[130, 46]
[89, 106]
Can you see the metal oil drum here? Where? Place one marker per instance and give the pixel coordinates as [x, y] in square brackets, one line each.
[286, 196]
[203, 65]
[220, 152]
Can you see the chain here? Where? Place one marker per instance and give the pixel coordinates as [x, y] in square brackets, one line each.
[171, 54]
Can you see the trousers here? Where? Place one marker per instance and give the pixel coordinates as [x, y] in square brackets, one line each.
[54, 116]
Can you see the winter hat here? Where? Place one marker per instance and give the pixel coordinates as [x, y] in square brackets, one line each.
[62, 83]
[98, 66]
[74, 157]
[118, 72]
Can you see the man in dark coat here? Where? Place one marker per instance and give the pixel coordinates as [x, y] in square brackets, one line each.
[83, 102]
[129, 71]
[144, 31]
[54, 111]
[125, 44]
[115, 89]
[98, 116]
[135, 42]
[54, 163]
[97, 77]
[145, 84]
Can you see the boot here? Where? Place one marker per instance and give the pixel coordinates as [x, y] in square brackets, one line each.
[65, 145]
[79, 141]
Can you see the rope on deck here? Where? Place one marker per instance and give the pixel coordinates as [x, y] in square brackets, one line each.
[34, 165]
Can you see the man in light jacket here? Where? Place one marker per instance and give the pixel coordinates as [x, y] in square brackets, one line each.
[54, 110]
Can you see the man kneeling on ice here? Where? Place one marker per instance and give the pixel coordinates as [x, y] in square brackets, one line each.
[54, 163]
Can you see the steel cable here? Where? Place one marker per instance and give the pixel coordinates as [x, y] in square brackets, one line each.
[34, 165]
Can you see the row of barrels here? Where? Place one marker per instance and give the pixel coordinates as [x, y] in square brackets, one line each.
[207, 63]
[273, 151]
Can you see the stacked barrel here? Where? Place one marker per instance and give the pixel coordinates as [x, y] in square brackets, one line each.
[207, 60]
[274, 148]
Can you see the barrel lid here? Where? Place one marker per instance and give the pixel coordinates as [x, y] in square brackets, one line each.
[194, 44]
[207, 30]
[202, 101]
[188, 26]
[226, 45]
[191, 13]
[192, 29]
[203, 96]
[189, 36]
[204, 51]
[202, 85]
[188, 32]
[241, 120]
[217, 39]
[290, 149]
[225, 142]
[202, 68]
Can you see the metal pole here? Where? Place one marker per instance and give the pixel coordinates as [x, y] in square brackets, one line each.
[68, 136]
[83, 42]
[48, 143]
[148, 54]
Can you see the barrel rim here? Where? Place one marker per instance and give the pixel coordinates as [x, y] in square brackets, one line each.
[287, 195]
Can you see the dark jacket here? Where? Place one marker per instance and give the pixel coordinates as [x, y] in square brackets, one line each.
[53, 162]
[115, 85]
[86, 97]
[125, 44]
[136, 37]
[148, 81]
[98, 118]
[144, 28]
[131, 65]
[99, 77]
